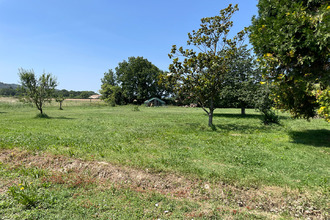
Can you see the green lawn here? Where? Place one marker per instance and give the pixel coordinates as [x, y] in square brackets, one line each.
[241, 152]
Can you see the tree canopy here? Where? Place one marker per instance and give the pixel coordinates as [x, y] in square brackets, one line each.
[133, 80]
[37, 90]
[241, 82]
[291, 39]
[201, 74]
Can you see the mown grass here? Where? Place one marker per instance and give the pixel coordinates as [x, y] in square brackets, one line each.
[241, 151]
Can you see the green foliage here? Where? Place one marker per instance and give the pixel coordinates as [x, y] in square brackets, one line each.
[138, 79]
[264, 103]
[74, 94]
[200, 76]
[323, 99]
[241, 85]
[60, 99]
[136, 108]
[37, 91]
[112, 94]
[269, 117]
[109, 78]
[292, 42]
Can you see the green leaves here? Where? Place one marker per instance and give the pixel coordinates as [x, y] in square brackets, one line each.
[37, 91]
[295, 33]
[199, 76]
[135, 79]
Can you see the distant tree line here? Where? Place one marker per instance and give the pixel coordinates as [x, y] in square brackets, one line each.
[14, 92]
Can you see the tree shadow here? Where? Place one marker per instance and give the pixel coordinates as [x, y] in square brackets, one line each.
[246, 116]
[239, 128]
[3, 112]
[62, 118]
[44, 116]
[228, 115]
[316, 138]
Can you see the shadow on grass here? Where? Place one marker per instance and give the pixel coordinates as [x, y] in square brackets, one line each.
[246, 116]
[3, 112]
[238, 128]
[316, 138]
[44, 116]
[62, 118]
[258, 116]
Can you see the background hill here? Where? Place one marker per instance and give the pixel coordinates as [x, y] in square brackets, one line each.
[6, 86]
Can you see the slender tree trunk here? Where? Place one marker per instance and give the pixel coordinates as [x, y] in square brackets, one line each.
[211, 113]
[211, 118]
[40, 108]
[61, 106]
[242, 111]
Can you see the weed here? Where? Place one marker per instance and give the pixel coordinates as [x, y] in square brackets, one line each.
[270, 117]
[136, 108]
[25, 194]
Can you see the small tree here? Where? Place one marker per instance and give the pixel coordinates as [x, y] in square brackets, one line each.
[37, 91]
[200, 76]
[60, 99]
[111, 92]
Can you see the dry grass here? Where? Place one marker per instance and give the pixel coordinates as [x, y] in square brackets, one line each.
[266, 201]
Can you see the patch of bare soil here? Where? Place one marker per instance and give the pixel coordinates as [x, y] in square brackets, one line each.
[267, 201]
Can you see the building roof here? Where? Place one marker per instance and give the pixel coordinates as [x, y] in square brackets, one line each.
[152, 99]
[94, 96]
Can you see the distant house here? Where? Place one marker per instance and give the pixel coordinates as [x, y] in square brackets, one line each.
[154, 102]
[94, 96]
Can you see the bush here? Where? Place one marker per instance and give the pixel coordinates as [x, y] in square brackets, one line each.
[269, 116]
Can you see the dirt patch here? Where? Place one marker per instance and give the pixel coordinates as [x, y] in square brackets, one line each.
[271, 200]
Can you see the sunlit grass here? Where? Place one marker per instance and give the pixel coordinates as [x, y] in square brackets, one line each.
[241, 151]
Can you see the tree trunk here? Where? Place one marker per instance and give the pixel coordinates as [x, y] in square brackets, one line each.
[242, 111]
[61, 106]
[211, 114]
[211, 118]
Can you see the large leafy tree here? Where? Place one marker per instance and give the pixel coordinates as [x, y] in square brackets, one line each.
[291, 39]
[138, 79]
[241, 85]
[201, 74]
[37, 90]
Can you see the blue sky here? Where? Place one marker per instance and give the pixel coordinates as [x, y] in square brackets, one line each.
[78, 40]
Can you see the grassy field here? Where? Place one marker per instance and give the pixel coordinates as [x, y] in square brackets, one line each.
[120, 163]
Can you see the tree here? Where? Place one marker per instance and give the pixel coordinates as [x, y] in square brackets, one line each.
[200, 76]
[85, 94]
[37, 91]
[112, 94]
[110, 91]
[60, 99]
[291, 39]
[109, 78]
[138, 79]
[241, 82]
